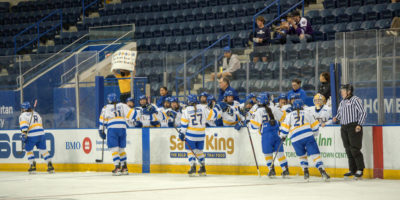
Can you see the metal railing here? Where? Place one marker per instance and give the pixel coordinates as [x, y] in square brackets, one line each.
[39, 34]
[203, 68]
[278, 3]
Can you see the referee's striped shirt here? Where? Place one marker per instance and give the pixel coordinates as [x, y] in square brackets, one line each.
[351, 110]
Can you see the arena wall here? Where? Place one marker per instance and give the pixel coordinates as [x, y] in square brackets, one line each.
[158, 150]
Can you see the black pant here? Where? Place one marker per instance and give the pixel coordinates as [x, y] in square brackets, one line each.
[124, 96]
[352, 142]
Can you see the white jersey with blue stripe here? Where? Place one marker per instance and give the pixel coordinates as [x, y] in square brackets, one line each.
[323, 115]
[34, 127]
[116, 116]
[163, 117]
[193, 121]
[260, 117]
[232, 116]
[300, 126]
[146, 119]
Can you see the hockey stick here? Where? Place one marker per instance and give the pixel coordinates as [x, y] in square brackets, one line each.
[276, 154]
[252, 147]
[102, 148]
[190, 148]
[29, 125]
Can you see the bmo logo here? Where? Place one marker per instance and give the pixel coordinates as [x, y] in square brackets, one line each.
[86, 145]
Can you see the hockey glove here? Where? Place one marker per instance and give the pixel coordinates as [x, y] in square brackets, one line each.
[139, 124]
[222, 106]
[24, 136]
[181, 136]
[154, 123]
[171, 114]
[238, 126]
[170, 124]
[102, 134]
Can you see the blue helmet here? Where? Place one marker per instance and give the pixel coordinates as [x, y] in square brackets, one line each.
[173, 99]
[112, 98]
[282, 96]
[167, 99]
[191, 99]
[298, 104]
[210, 98]
[263, 99]
[142, 97]
[294, 96]
[203, 94]
[251, 95]
[228, 93]
[130, 99]
[26, 105]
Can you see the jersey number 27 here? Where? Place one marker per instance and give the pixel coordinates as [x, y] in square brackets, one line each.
[196, 119]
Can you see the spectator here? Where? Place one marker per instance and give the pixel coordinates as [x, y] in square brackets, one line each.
[394, 27]
[261, 39]
[296, 85]
[225, 86]
[325, 86]
[302, 28]
[163, 95]
[230, 64]
[124, 83]
[281, 32]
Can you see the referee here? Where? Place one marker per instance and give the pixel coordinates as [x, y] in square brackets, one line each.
[351, 115]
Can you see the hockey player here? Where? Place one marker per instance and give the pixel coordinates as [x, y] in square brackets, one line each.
[282, 102]
[203, 98]
[231, 116]
[266, 121]
[32, 135]
[320, 111]
[162, 115]
[114, 117]
[130, 102]
[211, 104]
[193, 125]
[175, 113]
[299, 127]
[148, 113]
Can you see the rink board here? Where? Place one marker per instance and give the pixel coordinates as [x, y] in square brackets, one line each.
[228, 151]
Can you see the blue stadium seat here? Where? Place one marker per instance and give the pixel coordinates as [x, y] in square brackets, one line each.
[368, 12]
[329, 4]
[341, 16]
[383, 24]
[314, 17]
[199, 14]
[341, 27]
[353, 26]
[368, 25]
[394, 8]
[369, 2]
[328, 16]
[217, 26]
[356, 2]
[328, 31]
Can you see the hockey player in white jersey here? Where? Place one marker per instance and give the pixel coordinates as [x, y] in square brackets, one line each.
[193, 125]
[203, 98]
[320, 111]
[114, 117]
[162, 115]
[211, 104]
[266, 121]
[175, 112]
[33, 135]
[299, 126]
[231, 116]
[148, 113]
[283, 103]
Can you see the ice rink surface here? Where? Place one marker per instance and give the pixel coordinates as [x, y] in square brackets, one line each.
[97, 186]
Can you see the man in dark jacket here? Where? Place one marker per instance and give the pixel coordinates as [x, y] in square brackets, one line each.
[325, 86]
[224, 86]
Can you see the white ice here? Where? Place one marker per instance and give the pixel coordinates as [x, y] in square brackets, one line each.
[98, 186]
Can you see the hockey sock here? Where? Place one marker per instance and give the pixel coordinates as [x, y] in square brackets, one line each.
[303, 161]
[192, 159]
[31, 157]
[115, 155]
[316, 158]
[268, 158]
[200, 155]
[122, 156]
[46, 155]
[282, 160]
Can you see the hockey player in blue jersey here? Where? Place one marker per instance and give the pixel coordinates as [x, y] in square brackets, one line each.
[299, 126]
[114, 117]
[32, 135]
[265, 120]
[193, 126]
